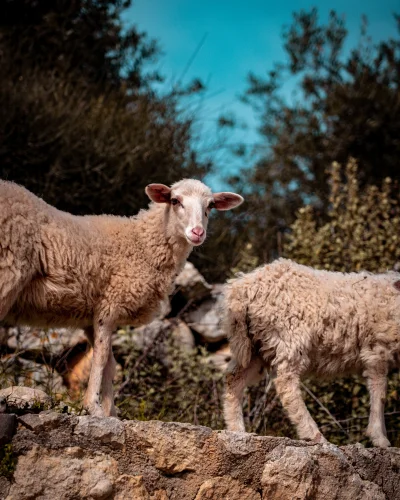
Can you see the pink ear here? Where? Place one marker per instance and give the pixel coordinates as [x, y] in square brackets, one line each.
[159, 193]
[226, 201]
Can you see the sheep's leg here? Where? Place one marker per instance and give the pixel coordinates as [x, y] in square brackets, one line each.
[108, 376]
[237, 379]
[377, 386]
[101, 353]
[287, 386]
[107, 389]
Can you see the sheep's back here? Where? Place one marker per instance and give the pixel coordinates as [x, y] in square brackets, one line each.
[322, 317]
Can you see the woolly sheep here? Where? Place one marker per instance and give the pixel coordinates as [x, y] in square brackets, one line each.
[96, 272]
[294, 321]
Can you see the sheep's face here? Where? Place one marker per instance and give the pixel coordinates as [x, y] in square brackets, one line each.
[190, 202]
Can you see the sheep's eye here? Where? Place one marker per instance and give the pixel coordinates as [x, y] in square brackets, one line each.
[211, 205]
[174, 201]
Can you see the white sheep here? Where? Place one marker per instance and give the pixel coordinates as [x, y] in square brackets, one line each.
[295, 321]
[96, 272]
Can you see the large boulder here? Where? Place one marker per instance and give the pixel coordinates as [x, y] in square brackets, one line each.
[70, 457]
[206, 317]
[191, 284]
[18, 398]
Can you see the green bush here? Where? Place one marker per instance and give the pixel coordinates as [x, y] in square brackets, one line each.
[361, 231]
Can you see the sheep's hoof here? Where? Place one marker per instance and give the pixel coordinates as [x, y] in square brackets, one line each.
[95, 410]
[317, 439]
[381, 442]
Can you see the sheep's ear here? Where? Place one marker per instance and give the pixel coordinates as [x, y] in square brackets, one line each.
[226, 201]
[159, 193]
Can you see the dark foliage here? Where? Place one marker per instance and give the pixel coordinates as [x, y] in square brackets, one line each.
[79, 123]
[85, 37]
[346, 105]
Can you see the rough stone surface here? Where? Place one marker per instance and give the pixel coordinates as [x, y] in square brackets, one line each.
[294, 473]
[226, 488]
[40, 376]
[69, 457]
[19, 397]
[191, 284]
[7, 427]
[182, 334]
[54, 340]
[206, 319]
[104, 430]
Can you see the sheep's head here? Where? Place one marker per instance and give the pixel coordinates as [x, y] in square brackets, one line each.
[190, 202]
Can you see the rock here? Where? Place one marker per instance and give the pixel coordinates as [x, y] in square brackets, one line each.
[52, 340]
[151, 337]
[45, 420]
[102, 489]
[105, 430]
[4, 487]
[3, 404]
[151, 334]
[191, 284]
[24, 398]
[296, 473]
[163, 444]
[206, 318]
[132, 487]
[39, 376]
[48, 474]
[225, 487]
[65, 457]
[182, 334]
[7, 428]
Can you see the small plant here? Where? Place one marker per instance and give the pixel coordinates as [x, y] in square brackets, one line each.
[7, 461]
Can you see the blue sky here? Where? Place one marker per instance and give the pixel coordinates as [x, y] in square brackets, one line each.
[240, 36]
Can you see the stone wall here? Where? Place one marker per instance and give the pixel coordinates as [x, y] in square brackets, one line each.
[71, 457]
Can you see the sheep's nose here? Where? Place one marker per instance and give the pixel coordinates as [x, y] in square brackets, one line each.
[198, 231]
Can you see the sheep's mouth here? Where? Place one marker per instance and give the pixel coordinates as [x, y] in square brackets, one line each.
[195, 240]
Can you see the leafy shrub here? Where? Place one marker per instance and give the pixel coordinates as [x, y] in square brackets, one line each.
[362, 228]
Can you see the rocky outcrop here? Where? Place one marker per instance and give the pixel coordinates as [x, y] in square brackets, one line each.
[70, 457]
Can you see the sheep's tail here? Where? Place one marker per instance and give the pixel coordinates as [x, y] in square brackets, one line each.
[237, 326]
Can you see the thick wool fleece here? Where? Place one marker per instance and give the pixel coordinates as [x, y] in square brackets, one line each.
[322, 322]
[60, 269]
[296, 321]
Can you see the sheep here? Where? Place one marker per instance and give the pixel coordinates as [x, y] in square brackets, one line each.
[293, 321]
[95, 272]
